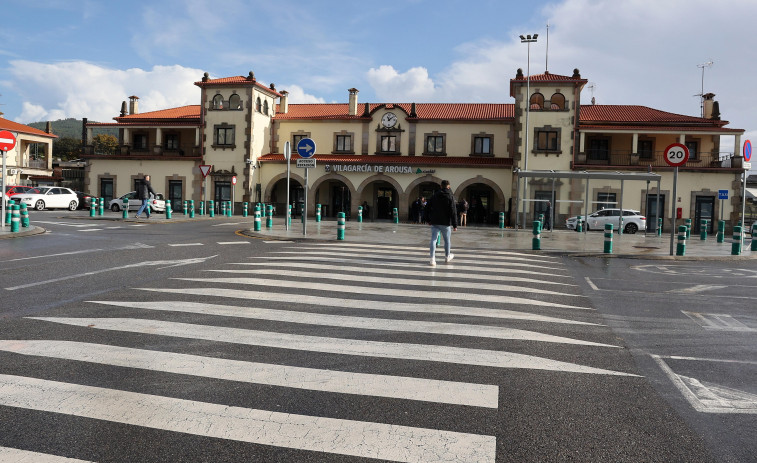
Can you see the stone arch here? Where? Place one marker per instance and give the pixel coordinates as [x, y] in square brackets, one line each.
[324, 178]
[425, 179]
[481, 179]
[402, 200]
[275, 179]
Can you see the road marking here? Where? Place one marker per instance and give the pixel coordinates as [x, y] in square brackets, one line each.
[64, 224]
[339, 346]
[363, 304]
[411, 264]
[186, 244]
[91, 229]
[113, 228]
[277, 242]
[426, 284]
[708, 397]
[425, 248]
[381, 324]
[697, 289]
[704, 359]
[318, 434]
[230, 223]
[374, 268]
[591, 284]
[426, 293]
[715, 321]
[54, 255]
[24, 456]
[233, 242]
[397, 387]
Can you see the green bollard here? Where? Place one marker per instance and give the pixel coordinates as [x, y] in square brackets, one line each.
[24, 216]
[269, 216]
[681, 248]
[244, 209]
[736, 244]
[608, 238]
[202, 207]
[101, 209]
[289, 215]
[360, 214]
[536, 240]
[211, 208]
[15, 219]
[754, 233]
[125, 209]
[721, 231]
[340, 226]
[579, 224]
[9, 211]
[168, 209]
[93, 206]
[541, 219]
[703, 229]
[395, 215]
[501, 220]
[439, 239]
[687, 222]
[185, 207]
[302, 213]
[317, 212]
[256, 225]
[222, 205]
[191, 208]
[230, 209]
[659, 226]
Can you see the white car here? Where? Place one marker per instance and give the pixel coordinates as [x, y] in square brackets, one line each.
[157, 203]
[633, 221]
[49, 197]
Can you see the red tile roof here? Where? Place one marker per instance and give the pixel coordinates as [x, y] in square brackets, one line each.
[634, 117]
[429, 111]
[414, 160]
[5, 124]
[190, 113]
[237, 80]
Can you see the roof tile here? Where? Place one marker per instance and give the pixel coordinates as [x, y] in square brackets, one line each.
[6, 124]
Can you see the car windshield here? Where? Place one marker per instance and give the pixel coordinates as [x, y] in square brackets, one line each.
[38, 191]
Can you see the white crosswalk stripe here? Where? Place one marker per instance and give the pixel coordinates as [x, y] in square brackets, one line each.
[10, 455]
[508, 254]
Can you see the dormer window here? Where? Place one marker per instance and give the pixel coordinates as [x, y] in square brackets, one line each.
[235, 102]
[218, 102]
[537, 101]
[557, 102]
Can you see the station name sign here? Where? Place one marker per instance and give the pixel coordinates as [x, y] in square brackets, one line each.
[377, 169]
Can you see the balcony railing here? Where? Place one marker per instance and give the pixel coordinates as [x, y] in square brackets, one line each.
[36, 164]
[625, 158]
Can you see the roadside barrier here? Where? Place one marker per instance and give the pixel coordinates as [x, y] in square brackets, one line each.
[269, 216]
[608, 238]
[754, 233]
[92, 206]
[211, 208]
[687, 222]
[24, 216]
[721, 231]
[659, 226]
[9, 211]
[256, 225]
[191, 209]
[244, 210]
[536, 240]
[703, 229]
[736, 245]
[186, 206]
[395, 215]
[681, 248]
[15, 219]
[317, 212]
[360, 214]
[340, 226]
[579, 224]
[101, 209]
[501, 220]
[125, 209]
[168, 209]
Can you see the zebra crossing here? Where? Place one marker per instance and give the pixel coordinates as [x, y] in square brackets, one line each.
[365, 324]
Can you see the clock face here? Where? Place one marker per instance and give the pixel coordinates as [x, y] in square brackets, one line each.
[389, 120]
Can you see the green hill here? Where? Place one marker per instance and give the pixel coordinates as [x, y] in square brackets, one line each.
[70, 128]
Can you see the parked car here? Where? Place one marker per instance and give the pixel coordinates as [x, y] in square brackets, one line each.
[49, 197]
[633, 221]
[157, 203]
[12, 190]
[84, 199]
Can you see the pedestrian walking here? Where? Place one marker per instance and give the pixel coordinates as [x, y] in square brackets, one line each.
[548, 217]
[462, 208]
[441, 211]
[144, 191]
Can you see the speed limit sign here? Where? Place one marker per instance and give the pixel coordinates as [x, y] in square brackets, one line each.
[676, 155]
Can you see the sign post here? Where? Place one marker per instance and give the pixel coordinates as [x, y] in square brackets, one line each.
[722, 194]
[306, 150]
[233, 187]
[675, 155]
[287, 156]
[747, 164]
[7, 143]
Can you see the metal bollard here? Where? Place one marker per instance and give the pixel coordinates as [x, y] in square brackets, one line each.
[340, 226]
[703, 229]
[687, 222]
[256, 226]
[168, 209]
[608, 238]
[721, 231]
[15, 219]
[681, 248]
[360, 214]
[93, 206]
[659, 226]
[317, 212]
[754, 233]
[211, 208]
[191, 208]
[269, 216]
[736, 244]
[125, 209]
[24, 216]
[501, 220]
[579, 224]
[9, 212]
[186, 206]
[244, 209]
[536, 240]
[395, 215]
[101, 209]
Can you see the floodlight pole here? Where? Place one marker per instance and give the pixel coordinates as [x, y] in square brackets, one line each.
[527, 40]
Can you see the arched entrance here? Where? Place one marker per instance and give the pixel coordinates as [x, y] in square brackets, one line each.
[334, 196]
[421, 189]
[378, 198]
[482, 208]
[277, 195]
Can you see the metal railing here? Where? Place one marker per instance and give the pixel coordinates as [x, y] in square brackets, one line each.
[625, 158]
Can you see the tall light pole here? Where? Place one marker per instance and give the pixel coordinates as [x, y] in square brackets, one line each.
[527, 39]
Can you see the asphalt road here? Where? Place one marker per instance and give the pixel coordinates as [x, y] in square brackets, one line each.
[188, 342]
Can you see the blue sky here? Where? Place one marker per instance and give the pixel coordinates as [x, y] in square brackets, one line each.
[81, 58]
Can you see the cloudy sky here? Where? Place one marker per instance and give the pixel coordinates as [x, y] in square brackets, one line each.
[81, 58]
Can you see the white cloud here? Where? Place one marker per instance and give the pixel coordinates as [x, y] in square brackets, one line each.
[80, 89]
[298, 96]
[390, 85]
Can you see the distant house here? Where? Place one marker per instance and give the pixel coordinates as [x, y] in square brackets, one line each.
[30, 162]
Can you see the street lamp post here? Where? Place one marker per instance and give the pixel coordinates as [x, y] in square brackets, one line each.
[527, 39]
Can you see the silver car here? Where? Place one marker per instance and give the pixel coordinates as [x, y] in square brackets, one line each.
[157, 203]
[633, 221]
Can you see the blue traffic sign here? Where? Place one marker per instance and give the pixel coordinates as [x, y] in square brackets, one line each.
[722, 194]
[306, 148]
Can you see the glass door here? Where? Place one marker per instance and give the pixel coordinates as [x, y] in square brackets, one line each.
[106, 189]
[175, 195]
[651, 205]
[704, 208]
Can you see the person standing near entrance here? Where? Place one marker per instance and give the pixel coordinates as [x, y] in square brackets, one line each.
[548, 217]
[143, 193]
[441, 211]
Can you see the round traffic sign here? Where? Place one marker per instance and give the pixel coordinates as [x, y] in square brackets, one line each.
[7, 140]
[234, 180]
[676, 155]
[747, 151]
[306, 148]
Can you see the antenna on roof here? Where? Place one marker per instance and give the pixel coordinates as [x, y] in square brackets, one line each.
[591, 87]
[702, 66]
[546, 64]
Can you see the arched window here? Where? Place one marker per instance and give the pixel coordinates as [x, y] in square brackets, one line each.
[257, 105]
[537, 101]
[218, 102]
[557, 101]
[235, 103]
[265, 107]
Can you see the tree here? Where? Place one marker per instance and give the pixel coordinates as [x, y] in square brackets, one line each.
[105, 144]
[67, 148]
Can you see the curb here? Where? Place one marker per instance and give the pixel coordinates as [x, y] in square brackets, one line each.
[33, 230]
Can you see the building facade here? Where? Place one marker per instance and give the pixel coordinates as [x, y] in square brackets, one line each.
[30, 162]
[386, 155]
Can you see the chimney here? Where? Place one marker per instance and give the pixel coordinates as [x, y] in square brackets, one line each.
[49, 127]
[707, 100]
[123, 108]
[133, 105]
[284, 102]
[353, 101]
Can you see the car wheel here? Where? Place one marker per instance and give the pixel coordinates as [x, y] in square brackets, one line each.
[115, 208]
[72, 205]
[631, 228]
[40, 205]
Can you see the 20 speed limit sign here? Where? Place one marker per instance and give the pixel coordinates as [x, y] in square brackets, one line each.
[676, 155]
